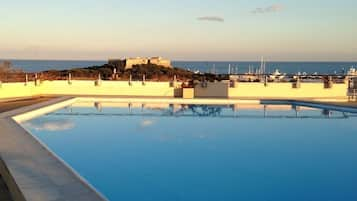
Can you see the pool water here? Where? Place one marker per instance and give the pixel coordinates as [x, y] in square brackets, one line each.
[206, 152]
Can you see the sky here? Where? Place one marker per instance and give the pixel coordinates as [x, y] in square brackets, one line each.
[205, 30]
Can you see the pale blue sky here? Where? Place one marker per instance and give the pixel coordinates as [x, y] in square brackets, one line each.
[233, 29]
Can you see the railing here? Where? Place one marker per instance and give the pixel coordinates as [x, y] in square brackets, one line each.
[288, 78]
[28, 77]
[352, 93]
[79, 75]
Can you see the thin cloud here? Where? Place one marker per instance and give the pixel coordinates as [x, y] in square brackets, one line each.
[211, 18]
[147, 123]
[270, 9]
[51, 125]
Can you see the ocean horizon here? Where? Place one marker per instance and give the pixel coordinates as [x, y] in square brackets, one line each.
[291, 67]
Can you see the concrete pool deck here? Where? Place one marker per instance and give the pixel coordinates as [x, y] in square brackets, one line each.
[7, 106]
[32, 172]
[4, 191]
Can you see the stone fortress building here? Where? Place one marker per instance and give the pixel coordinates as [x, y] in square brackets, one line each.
[128, 63]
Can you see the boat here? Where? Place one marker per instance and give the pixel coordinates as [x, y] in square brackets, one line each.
[277, 75]
[352, 72]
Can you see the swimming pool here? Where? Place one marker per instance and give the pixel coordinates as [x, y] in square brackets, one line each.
[134, 151]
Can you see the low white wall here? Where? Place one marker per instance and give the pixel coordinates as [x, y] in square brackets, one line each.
[163, 89]
[78, 87]
[18, 90]
[272, 90]
[285, 90]
[115, 88]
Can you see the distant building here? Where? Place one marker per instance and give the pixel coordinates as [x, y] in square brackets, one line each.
[160, 61]
[130, 62]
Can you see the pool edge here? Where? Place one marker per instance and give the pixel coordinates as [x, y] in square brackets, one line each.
[22, 156]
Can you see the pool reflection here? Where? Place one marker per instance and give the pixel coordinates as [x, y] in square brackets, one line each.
[185, 110]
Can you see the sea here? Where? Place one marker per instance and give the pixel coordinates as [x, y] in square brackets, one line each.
[220, 67]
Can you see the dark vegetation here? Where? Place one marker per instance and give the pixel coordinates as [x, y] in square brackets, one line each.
[7, 73]
[161, 73]
[88, 73]
[152, 72]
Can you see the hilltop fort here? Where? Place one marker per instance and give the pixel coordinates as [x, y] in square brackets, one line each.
[128, 63]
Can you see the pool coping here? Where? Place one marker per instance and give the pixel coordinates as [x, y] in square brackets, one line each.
[33, 172]
[30, 169]
[314, 104]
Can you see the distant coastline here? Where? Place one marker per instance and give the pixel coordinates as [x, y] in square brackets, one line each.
[324, 67]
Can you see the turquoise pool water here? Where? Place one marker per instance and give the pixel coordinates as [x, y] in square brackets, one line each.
[205, 152]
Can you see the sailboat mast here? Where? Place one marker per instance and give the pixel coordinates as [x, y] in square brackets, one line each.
[262, 71]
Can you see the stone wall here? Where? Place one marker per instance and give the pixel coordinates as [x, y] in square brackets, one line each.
[130, 62]
[160, 61]
[135, 61]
